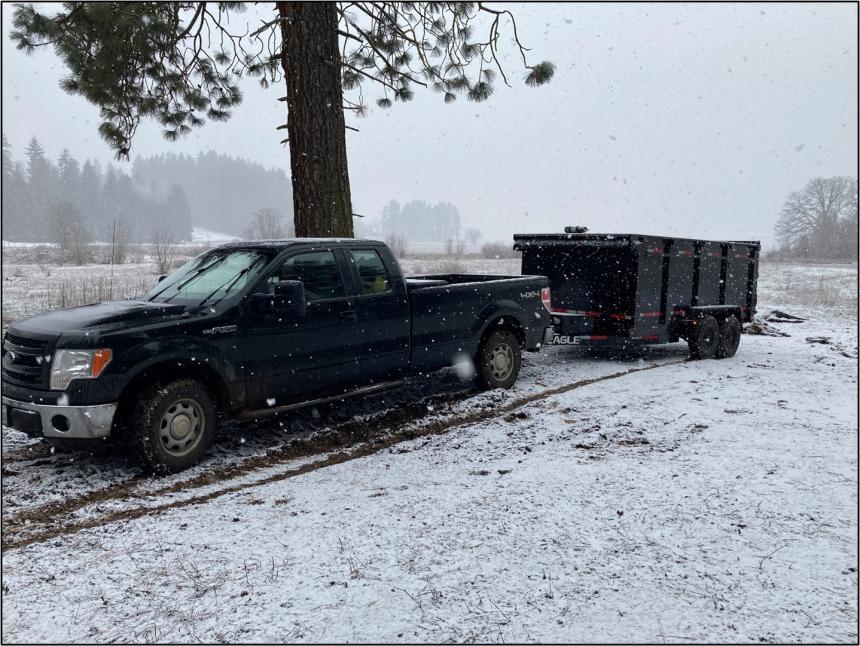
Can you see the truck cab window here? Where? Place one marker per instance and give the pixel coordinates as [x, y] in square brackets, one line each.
[319, 272]
[371, 272]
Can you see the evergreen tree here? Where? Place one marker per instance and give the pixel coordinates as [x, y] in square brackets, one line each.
[150, 60]
[390, 220]
[108, 204]
[7, 159]
[40, 192]
[16, 192]
[89, 194]
[179, 213]
[69, 178]
[10, 216]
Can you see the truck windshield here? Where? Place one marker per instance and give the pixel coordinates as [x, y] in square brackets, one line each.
[209, 277]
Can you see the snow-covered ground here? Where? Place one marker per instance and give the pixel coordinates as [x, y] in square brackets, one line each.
[199, 235]
[605, 498]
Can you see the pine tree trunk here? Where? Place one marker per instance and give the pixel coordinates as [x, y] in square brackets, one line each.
[315, 124]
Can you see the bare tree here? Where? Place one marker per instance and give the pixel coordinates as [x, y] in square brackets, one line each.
[816, 219]
[397, 244]
[163, 249]
[267, 224]
[71, 233]
[454, 247]
[120, 235]
[473, 234]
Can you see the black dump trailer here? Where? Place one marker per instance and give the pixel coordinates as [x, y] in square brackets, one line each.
[630, 289]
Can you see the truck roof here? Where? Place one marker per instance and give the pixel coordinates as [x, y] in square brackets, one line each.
[291, 242]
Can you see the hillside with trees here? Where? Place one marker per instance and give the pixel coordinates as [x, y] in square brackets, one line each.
[69, 202]
[73, 203]
[223, 192]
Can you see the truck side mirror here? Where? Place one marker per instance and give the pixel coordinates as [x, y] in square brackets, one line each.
[162, 277]
[288, 298]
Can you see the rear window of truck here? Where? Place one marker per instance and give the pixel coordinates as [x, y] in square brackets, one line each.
[371, 272]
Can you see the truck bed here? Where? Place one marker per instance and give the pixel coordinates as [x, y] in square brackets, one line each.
[446, 308]
[437, 280]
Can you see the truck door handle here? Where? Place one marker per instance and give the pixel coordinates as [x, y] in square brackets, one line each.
[348, 316]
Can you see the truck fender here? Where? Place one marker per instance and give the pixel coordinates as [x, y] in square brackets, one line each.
[200, 355]
[496, 311]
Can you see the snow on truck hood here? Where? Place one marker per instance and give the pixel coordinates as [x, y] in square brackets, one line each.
[127, 312]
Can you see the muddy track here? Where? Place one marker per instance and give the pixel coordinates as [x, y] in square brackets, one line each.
[27, 453]
[298, 446]
[351, 441]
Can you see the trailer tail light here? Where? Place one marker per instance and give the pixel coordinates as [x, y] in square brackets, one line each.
[546, 299]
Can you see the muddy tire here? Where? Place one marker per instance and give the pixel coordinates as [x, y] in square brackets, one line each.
[704, 339]
[730, 337]
[172, 425]
[499, 360]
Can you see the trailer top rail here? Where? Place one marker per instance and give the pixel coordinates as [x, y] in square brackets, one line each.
[609, 239]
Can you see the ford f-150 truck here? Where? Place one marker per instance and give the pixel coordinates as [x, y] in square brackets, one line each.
[258, 326]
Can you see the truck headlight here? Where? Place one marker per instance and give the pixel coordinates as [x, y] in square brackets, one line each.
[77, 364]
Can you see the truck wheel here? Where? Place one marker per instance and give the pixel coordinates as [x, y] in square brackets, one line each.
[705, 339]
[499, 360]
[730, 337]
[173, 425]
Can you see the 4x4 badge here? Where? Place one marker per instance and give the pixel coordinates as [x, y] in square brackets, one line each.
[224, 329]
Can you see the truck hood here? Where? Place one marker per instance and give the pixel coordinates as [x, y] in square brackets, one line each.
[128, 312]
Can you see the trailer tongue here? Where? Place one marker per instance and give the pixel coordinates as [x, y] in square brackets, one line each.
[629, 288]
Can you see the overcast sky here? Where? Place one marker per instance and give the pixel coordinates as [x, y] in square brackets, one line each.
[693, 120]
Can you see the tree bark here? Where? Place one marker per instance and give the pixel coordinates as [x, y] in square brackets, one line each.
[315, 125]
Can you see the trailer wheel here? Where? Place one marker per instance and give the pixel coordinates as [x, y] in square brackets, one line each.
[704, 339]
[172, 425]
[499, 360]
[730, 337]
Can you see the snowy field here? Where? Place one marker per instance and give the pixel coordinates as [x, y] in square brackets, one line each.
[604, 498]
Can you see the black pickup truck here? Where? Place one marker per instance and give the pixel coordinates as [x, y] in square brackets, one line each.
[250, 327]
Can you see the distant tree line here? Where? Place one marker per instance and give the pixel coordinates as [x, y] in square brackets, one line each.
[67, 202]
[223, 192]
[419, 221]
[820, 221]
[72, 204]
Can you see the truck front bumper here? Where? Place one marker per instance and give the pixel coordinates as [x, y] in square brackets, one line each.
[45, 420]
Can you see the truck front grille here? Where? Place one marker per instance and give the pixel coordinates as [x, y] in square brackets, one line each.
[25, 361]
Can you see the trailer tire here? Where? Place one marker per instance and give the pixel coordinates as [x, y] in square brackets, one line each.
[499, 360]
[730, 337]
[172, 425]
[704, 340]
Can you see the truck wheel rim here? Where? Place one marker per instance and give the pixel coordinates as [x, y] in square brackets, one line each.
[181, 427]
[502, 361]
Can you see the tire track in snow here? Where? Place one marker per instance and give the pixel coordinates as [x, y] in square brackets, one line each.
[305, 445]
[17, 535]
